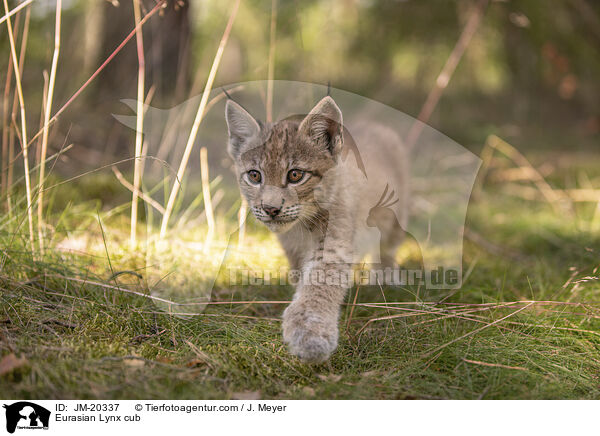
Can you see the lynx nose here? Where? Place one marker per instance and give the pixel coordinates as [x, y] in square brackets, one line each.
[271, 211]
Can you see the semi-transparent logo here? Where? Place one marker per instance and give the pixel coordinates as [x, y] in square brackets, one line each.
[402, 194]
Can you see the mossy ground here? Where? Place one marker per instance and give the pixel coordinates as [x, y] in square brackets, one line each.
[92, 342]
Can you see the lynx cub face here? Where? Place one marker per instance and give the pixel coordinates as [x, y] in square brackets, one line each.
[296, 182]
[280, 165]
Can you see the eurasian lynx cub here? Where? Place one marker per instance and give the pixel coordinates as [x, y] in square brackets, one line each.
[297, 182]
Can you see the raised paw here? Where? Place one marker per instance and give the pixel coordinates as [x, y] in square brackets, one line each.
[310, 335]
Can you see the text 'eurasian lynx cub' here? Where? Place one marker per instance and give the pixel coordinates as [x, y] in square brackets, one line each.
[297, 182]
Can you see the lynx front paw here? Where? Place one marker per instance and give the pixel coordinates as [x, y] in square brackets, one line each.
[309, 335]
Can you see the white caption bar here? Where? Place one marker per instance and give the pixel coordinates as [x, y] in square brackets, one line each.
[280, 418]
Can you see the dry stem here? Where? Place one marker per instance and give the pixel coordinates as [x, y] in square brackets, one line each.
[24, 143]
[137, 175]
[197, 120]
[271, 67]
[210, 219]
[46, 124]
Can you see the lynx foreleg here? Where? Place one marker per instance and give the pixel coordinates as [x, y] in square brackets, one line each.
[310, 323]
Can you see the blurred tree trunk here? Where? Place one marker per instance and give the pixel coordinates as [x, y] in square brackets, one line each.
[169, 68]
[100, 137]
[522, 63]
[166, 42]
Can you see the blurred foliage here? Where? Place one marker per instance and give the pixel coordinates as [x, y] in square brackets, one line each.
[530, 74]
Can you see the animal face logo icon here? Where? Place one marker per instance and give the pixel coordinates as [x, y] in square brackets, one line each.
[27, 415]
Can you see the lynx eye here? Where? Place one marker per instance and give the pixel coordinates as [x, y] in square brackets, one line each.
[254, 177]
[295, 176]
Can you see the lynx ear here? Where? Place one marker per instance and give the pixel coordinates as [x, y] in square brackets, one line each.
[242, 127]
[324, 124]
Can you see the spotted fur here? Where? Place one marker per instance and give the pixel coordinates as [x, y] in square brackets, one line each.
[316, 219]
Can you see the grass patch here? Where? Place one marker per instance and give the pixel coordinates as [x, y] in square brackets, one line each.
[85, 340]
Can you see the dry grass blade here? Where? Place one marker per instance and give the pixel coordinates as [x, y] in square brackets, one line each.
[47, 110]
[15, 104]
[208, 207]
[436, 349]
[38, 149]
[169, 135]
[242, 222]
[163, 300]
[198, 119]
[584, 195]
[556, 197]
[560, 200]
[352, 309]
[5, 127]
[464, 314]
[595, 224]
[24, 143]
[137, 167]
[15, 10]
[117, 288]
[248, 302]
[420, 312]
[570, 329]
[212, 315]
[496, 365]
[143, 196]
[271, 68]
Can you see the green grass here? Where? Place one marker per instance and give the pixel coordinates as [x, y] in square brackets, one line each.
[88, 341]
